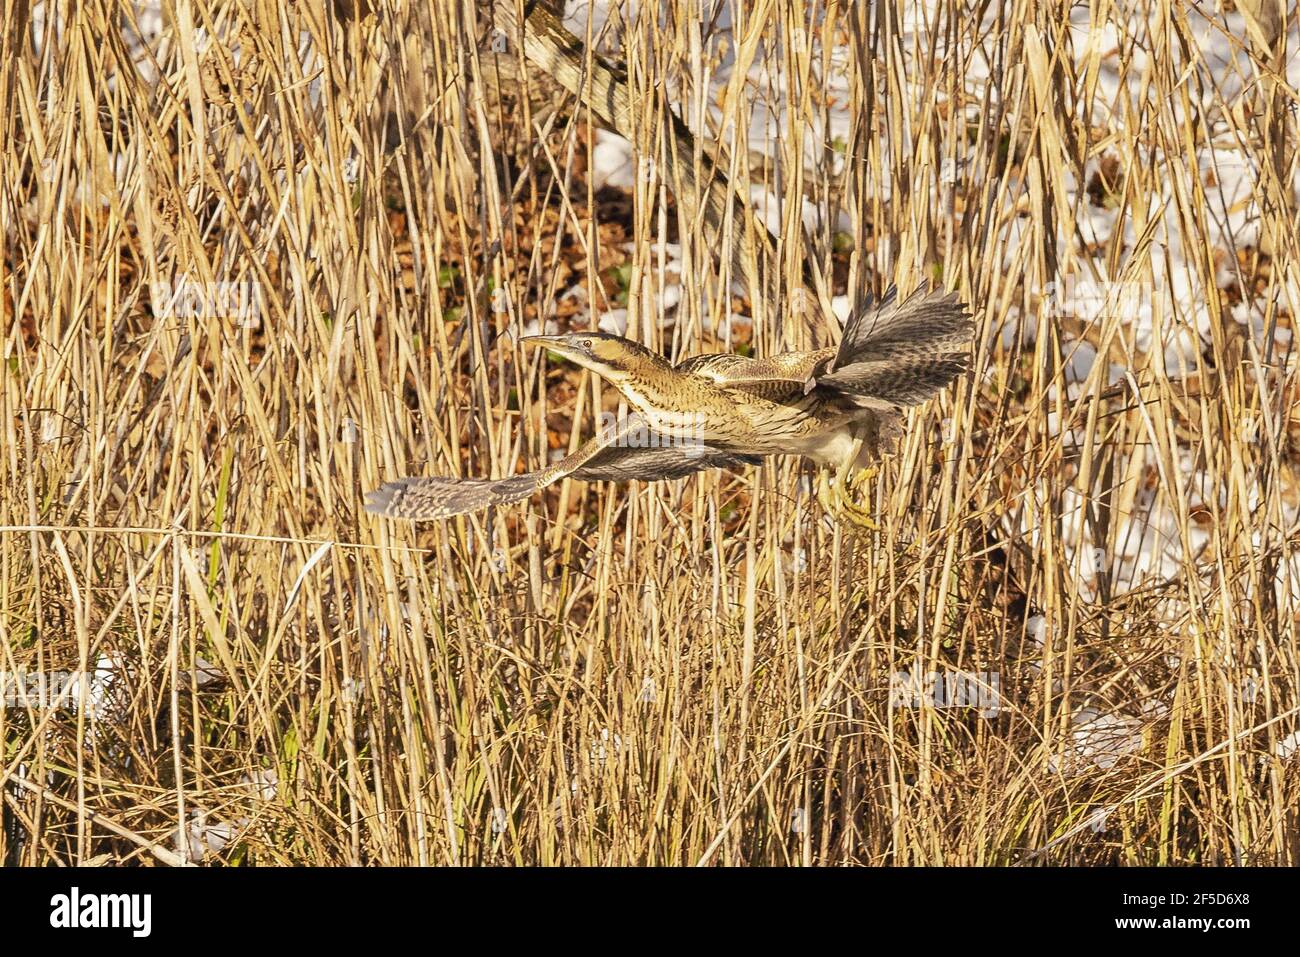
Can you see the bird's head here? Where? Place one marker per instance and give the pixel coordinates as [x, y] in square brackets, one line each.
[611, 357]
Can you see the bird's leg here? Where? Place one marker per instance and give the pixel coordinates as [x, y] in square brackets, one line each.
[824, 493]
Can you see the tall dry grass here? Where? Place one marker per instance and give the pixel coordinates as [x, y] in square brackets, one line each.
[680, 673]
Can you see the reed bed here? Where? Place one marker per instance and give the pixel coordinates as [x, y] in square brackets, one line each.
[257, 258]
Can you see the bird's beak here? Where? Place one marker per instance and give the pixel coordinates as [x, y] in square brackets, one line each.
[560, 345]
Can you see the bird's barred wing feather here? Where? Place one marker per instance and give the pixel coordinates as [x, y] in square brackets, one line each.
[616, 455]
[902, 353]
[892, 354]
[925, 324]
[777, 378]
[715, 365]
[433, 497]
[616, 464]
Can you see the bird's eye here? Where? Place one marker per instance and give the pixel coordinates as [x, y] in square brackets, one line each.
[586, 343]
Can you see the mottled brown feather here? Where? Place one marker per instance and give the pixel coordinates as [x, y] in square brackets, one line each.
[821, 404]
[603, 458]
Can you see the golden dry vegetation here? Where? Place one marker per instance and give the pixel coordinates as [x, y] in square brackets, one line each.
[374, 200]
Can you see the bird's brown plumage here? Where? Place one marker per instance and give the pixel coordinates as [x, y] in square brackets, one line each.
[724, 411]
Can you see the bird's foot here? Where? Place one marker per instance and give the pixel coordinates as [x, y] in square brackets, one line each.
[837, 498]
[863, 476]
[852, 488]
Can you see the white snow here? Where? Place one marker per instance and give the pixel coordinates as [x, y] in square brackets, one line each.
[1099, 738]
[612, 162]
[614, 322]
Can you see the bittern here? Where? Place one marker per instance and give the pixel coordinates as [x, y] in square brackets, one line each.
[839, 407]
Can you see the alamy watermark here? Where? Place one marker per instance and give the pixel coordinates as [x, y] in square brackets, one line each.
[76, 909]
[40, 690]
[1081, 298]
[685, 431]
[947, 689]
[185, 298]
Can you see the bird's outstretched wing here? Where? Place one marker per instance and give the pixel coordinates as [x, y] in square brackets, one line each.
[777, 378]
[617, 464]
[902, 353]
[630, 451]
[927, 321]
[892, 354]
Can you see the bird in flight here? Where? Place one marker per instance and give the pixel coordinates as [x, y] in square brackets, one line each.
[839, 407]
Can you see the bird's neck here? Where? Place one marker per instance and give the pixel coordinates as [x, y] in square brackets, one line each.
[647, 382]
